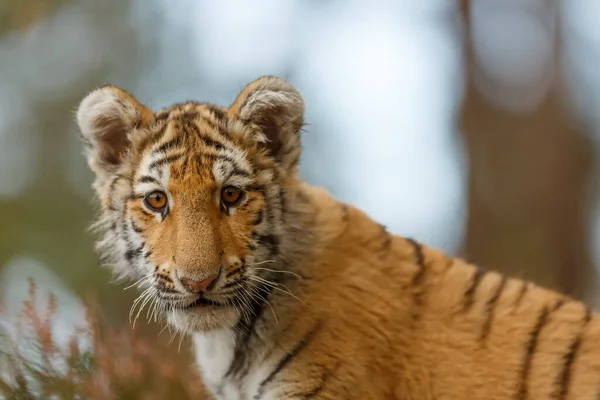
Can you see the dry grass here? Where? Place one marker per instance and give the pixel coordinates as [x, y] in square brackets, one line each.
[119, 363]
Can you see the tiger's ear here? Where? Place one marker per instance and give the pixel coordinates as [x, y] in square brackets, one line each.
[105, 117]
[276, 110]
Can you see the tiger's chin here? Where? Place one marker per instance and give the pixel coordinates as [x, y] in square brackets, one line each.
[203, 318]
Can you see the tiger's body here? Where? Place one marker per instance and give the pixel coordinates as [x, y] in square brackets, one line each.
[289, 294]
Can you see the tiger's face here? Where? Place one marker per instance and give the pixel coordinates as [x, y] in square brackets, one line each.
[192, 197]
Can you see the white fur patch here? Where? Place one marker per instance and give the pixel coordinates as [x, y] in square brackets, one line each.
[267, 98]
[103, 104]
[223, 172]
[214, 352]
[98, 104]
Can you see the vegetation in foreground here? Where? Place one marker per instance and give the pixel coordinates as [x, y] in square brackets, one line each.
[117, 363]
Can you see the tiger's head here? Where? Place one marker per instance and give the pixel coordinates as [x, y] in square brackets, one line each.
[192, 197]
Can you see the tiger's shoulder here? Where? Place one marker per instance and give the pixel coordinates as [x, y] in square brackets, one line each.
[420, 321]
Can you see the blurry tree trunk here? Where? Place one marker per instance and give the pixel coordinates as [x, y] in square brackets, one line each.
[529, 167]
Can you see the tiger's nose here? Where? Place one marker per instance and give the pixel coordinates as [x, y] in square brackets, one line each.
[199, 286]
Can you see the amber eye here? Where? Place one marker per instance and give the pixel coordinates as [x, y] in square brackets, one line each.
[156, 201]
[230, 195]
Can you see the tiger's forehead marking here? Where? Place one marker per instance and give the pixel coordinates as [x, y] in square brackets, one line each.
[194, 146]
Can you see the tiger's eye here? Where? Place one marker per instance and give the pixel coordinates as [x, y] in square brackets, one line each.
[231, 195]
[156, 201]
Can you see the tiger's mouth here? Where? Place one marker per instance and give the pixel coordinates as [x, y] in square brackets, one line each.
[203, 302]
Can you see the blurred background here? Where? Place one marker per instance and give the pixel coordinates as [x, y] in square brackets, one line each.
[471, 126]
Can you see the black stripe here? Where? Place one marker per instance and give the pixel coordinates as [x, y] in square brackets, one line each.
[130, 254]
[161, 115]
[529, 351]
[191, 126]
[269, 241]
[563, 379]
[111, 189]
[325, 375]
[418, 291]
[418, 248]
[217, 112]
[190, 114]
[212, 143]
[258, 218]
[257, 188]
[152, 137]
[236, 169]
[287, 358]
[169, 144]
[521, 294]
[163, 278]
[135, 227]
[490, 306]
[282, 200]
[247, 329]
[165, 160]
[147, 179]
[559, 303]
[469, 296]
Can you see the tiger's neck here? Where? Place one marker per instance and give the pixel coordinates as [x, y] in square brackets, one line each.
[234, 361]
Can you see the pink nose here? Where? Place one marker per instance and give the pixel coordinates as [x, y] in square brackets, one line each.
[198, 286]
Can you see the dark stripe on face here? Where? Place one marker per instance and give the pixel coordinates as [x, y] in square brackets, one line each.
[147, 179]
[269, 241]
[233, 283]
[212, 158]
[258, 218]
[490, 306]
[287, 358]
[169, 144]
[162, 115]
[217, 112]
[257, 188]
[111, 189]
[132, 254]
[166, 160]
[135, 227]
[195, 130]
[152, 137]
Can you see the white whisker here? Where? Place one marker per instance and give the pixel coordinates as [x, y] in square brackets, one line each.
[261, 262]
[138, 282]
[276, 287]
[280, 271]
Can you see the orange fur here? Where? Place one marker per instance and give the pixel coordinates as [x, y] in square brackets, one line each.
[330, 305]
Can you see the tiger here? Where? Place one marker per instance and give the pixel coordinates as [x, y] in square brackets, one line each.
[288, 293]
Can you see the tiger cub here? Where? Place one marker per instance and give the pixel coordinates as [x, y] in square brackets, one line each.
[290, 294]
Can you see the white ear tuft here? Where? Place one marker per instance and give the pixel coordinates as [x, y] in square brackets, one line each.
[105, 118]
[276, 109]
